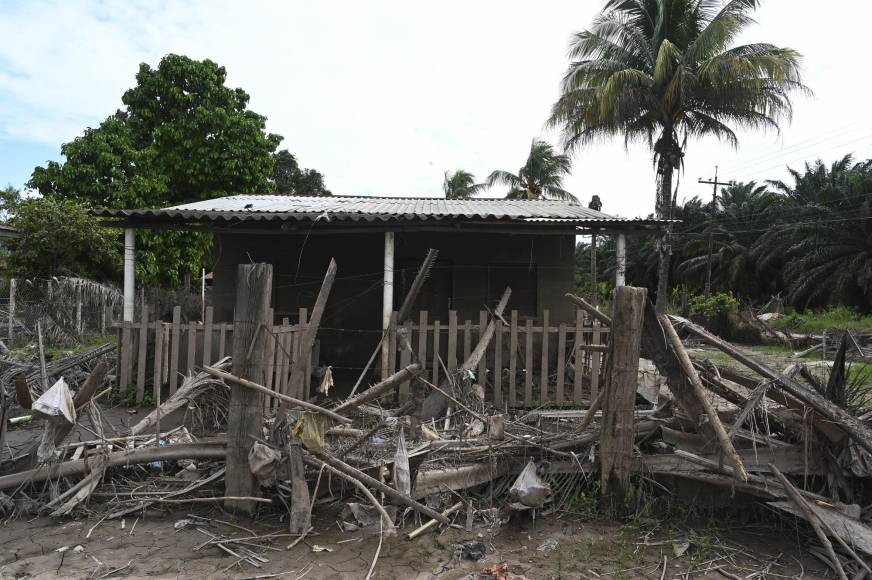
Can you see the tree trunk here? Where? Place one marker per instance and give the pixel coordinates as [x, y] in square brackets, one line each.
[664, 242]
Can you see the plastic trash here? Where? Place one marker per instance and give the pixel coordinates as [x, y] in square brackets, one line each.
[263, 461]
[57, 402]
[529, 489]
[402, 472]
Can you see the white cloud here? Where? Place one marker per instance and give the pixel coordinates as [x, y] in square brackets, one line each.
[383, 97]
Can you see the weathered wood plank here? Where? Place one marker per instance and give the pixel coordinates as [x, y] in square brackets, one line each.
[175, 346]
[481, 375]
[467, 339]
[543, 372]
[405, 360]
[513, 359]
[207, 335]
[618, 425]
[270, 358]
[222, 340]
[245, 416]
[528, 363]
[191, 358]
[157, 377]
[126, 354]
[595, 362]
[422, 339]
[577, 359]
[498, 365]
[561, 363]
[452, 341]
[143, 355]
[436, 348]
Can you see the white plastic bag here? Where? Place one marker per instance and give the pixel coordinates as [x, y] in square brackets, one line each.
[529, 489]
[402, 472]
[57, 401]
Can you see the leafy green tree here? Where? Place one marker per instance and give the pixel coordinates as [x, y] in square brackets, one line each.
[59, 237]
[183, 136]
[461, 185]
[541, 177]
[664, 71]
[289, 179]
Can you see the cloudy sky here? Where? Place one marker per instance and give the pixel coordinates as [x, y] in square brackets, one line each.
[383, 97]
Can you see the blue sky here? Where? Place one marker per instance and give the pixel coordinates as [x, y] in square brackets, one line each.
[384, 96]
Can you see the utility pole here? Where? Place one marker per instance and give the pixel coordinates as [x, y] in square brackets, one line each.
[708, 269]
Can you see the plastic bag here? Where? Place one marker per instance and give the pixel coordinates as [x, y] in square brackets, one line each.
[402, 473]
[529, 489]
[57, 402]
[311, 428]
[262, 462]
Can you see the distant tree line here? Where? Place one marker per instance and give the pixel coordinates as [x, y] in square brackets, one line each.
[807, 241]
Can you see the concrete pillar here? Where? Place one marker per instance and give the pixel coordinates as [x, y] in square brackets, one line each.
[129, 268]
[387, 299]
[621, 259]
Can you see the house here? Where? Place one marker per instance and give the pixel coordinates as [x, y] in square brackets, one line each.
[378, 243]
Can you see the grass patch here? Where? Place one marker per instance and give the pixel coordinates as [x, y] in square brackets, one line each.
[25, 348]
[819, 321]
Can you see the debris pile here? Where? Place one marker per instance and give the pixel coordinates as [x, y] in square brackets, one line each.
[448, 457]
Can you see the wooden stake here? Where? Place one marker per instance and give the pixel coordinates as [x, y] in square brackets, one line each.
[245, 419]
[616, 447]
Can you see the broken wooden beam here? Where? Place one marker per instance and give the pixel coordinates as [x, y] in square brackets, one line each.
[617, 428]
[382, 388]
[245, 411]
[291, 401]
[698, 389]
[376, 485]
[828, 410]
[202, 450]
[589, 308]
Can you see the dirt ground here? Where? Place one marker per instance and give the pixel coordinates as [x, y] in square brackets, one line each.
[548, 548]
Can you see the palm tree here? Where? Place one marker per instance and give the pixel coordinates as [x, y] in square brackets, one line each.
[461, 185]
[743, 212]
[662, 71]
[823, 237]
[541, 176]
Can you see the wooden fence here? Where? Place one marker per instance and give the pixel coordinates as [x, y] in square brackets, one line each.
[528, 363]
[157, 353]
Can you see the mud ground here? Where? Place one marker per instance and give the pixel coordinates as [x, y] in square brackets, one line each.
[549, 548]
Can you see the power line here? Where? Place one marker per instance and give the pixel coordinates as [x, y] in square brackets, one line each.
[790, 150]
[746, 174]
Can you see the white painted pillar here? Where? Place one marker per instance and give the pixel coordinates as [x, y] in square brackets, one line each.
[129, 268]
[621, 259]
[387, 302]
[388, 297]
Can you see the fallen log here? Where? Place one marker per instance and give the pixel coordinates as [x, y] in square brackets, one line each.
[589, 308]
[711, 413]
[415, 533]
[211, 450]
[284, 398]
[828, 410]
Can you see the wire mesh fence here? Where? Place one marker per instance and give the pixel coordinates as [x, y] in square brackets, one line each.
[70, 308]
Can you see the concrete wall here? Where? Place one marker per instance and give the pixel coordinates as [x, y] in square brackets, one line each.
[463, 279]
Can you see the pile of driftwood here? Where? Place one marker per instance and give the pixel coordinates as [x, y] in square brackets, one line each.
[447, 457]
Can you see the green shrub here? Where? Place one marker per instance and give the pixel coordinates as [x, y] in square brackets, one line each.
[716, 305]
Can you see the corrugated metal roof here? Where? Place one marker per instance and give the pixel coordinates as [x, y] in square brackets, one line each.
[288, 207]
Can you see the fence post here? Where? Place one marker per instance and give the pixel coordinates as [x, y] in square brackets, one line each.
[245, 417]
[616, 448]
[11, 308]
